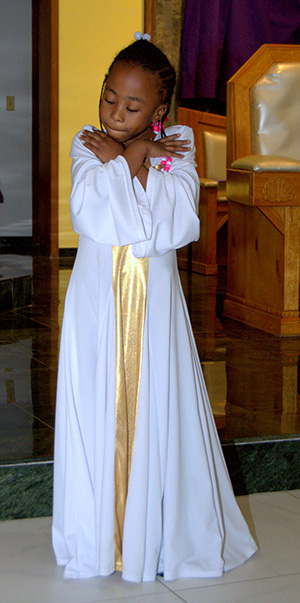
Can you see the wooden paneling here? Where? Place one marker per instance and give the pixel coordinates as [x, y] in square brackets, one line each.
[45, 127]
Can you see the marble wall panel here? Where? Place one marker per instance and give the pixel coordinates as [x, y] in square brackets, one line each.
[254, 466]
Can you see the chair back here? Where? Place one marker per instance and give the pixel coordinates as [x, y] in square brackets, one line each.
[214, 144]
[275, 111]
[210, 141]
[263, 104]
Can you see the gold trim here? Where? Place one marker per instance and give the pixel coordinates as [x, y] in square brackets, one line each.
[130, 276]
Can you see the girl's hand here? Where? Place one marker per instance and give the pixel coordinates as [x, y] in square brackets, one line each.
[138, 150]
[102, 145]
[169, 146]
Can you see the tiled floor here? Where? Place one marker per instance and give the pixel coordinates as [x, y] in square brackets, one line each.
[28, 573]
[253, 382]
[252, 378]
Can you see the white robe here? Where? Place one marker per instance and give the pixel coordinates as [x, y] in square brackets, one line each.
[181, 516]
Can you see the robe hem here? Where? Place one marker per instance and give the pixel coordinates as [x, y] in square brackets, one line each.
[135, 578]
[80, 575]
[237, 562]
[61, 562]
[168, 576]
[217, 573]
[192, 573]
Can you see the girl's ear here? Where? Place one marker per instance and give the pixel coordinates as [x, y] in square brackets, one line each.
[159, 112]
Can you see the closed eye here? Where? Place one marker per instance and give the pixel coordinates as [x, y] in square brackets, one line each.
[132, 110]
[110, 102]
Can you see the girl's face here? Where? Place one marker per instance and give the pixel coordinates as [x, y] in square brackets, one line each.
[131, 101]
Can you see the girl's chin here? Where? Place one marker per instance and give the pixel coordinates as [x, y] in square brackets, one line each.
[123, 139]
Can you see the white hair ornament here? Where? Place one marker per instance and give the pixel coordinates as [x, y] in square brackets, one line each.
[139, 36]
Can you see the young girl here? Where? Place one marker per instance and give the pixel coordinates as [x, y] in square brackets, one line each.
[140, 483]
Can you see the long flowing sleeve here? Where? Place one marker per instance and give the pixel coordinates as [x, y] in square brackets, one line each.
[173, 200]
[109, 207]
[104, 205]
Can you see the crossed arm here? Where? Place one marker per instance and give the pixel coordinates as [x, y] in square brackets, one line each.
[135, 153]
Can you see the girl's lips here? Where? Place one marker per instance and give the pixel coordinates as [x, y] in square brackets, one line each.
[114, 129]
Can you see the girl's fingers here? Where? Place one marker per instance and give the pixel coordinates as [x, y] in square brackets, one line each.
[176, 149]
[95, 135]
[171, 137]
[93, 131]
[177, 144]
[93, 140]
[174, 138]
[176, 154]
[170, 144]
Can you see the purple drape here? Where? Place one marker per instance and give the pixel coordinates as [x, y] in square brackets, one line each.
[220, 35]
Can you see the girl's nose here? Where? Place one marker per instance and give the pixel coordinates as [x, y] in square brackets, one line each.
[117, 113]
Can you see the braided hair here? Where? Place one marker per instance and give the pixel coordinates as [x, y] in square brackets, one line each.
[147, 56]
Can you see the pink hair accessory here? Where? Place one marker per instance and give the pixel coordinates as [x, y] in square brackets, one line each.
[166, 162]
[156, 126]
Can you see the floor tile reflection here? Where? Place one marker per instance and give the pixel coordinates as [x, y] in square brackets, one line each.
[252, 378]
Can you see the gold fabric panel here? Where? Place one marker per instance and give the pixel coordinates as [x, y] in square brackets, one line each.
[130, 276]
